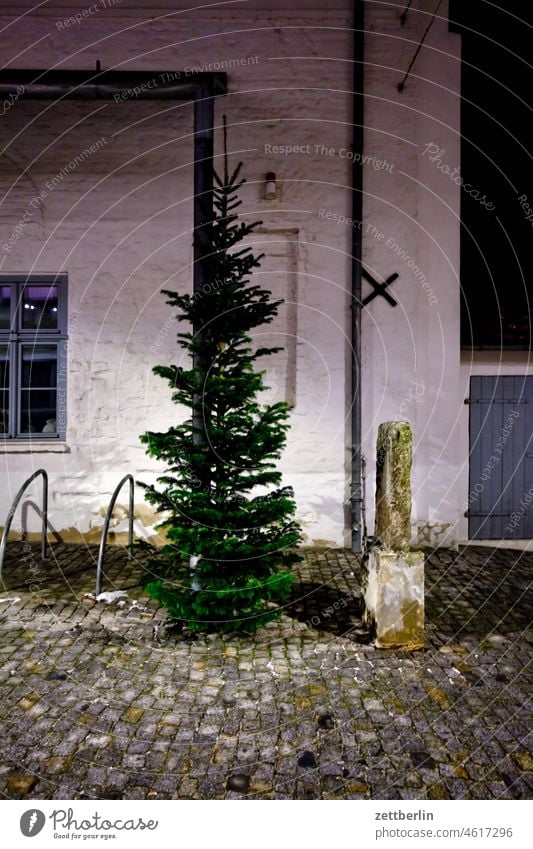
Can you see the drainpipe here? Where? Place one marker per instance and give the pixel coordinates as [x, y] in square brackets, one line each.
[204, 112]
[356, 492]
[204, 121]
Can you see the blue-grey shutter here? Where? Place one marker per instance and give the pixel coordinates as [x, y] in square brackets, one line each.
[500, 501]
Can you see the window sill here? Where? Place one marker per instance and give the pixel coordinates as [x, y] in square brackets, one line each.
[34, 446]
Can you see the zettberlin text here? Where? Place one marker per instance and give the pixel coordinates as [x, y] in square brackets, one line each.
[403, 815]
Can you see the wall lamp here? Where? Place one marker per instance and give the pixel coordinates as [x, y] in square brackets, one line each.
[271, 188]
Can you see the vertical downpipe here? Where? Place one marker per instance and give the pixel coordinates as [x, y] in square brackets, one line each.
[204, 109]
[204, 114]
[357, 215]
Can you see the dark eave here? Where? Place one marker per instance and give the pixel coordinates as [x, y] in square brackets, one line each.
[120, 86]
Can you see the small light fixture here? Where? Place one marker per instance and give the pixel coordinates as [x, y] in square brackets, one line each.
[271, 189]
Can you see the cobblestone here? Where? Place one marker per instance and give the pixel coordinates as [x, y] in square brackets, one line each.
[307, 708]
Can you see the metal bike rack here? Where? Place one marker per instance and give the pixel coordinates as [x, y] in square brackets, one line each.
[101, 553]
[44, 516]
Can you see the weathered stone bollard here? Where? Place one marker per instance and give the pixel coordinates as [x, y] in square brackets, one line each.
[394, 454]
[393, 575]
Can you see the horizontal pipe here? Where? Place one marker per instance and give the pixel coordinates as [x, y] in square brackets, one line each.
[108, 85]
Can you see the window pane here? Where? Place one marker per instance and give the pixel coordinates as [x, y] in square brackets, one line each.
[4, 367]
[39, 308]
[38, 388]
[39, 367]
[4, 389]
[38, 410]
[5, 304]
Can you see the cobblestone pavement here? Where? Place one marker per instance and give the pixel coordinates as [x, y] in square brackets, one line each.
[98, 702]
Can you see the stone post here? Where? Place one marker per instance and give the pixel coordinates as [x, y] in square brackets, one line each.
[394, 455]
[393, 574]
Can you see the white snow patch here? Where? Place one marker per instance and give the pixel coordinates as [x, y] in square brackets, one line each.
[109, 598]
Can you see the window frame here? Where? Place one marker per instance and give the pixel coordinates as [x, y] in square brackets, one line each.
[15, 337]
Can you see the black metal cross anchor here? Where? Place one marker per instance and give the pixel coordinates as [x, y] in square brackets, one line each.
[379, 288]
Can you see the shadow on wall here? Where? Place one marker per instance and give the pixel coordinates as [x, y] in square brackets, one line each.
[29, 507]
[337, 512]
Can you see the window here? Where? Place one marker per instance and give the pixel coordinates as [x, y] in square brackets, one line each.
[33, 366]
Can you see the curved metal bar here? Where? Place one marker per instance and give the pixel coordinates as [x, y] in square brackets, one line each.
[105, 529]
[44, 516]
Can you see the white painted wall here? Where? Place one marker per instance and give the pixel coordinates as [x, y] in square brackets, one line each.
[121, 227]
[411, 351]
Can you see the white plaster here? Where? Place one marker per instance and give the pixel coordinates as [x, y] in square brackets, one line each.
[411, 352]
[120, 225]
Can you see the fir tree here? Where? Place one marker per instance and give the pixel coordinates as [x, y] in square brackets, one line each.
[229, 523]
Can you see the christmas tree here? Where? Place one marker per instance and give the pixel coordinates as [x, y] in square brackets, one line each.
[228, 522]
